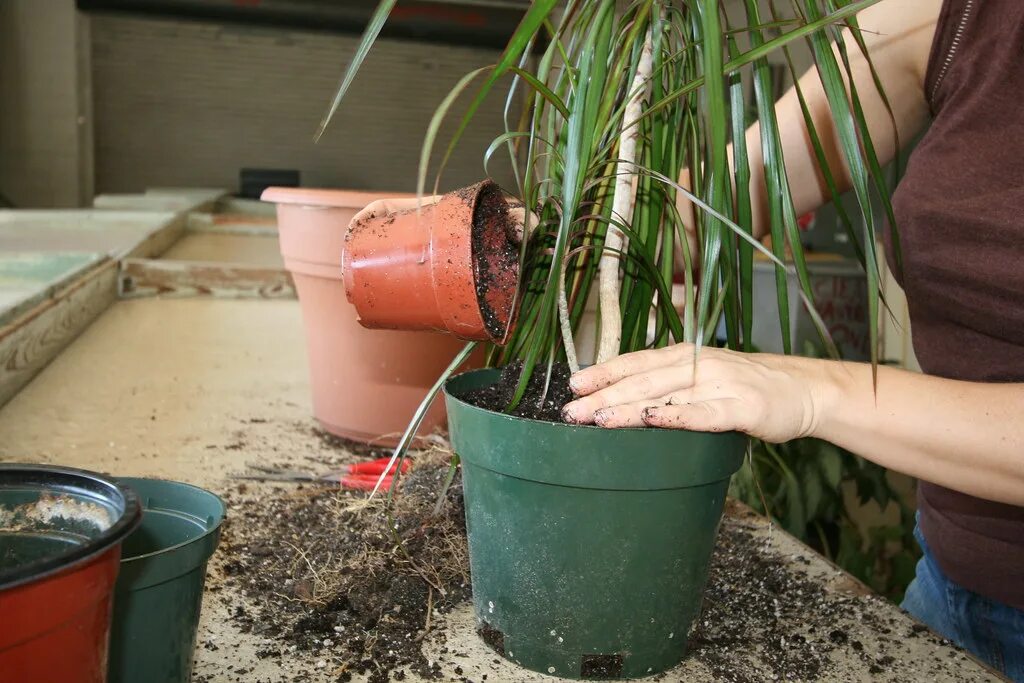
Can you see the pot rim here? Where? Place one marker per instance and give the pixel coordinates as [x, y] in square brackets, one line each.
[323, 197]
[586, 456]
[215, 528]
[77, 555]
[517, 418]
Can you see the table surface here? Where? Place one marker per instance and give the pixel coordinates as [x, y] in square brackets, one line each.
[166, 388]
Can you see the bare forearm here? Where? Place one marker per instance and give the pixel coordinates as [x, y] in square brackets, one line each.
[899, 53]
[963, 435]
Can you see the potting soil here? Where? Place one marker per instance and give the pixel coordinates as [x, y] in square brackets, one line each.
[495, 261]
[543, 400]
[318, 573]
[324, 575]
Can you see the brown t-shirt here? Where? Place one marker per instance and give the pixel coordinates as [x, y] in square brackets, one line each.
[960, 211]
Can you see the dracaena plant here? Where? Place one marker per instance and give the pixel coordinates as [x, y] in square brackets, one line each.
[615, 104]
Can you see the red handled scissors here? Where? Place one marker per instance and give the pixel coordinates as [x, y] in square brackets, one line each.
[360, 476]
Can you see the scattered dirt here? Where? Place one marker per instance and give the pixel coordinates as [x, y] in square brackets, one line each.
[320, 572]
[766, 618]
[316, 573]
[543, 399]
[495, 261]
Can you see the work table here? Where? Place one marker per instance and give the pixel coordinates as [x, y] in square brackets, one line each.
[194, 389]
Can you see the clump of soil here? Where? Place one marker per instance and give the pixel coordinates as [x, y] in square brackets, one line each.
[323, 572]
[495, 260]
[544, 398]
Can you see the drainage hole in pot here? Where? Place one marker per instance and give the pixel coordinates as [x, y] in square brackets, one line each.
[601, 666]
[493, 637]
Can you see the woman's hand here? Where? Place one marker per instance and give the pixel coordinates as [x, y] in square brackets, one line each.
[775, 398]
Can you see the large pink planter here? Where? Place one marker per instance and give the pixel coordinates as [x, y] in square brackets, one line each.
[366, 383]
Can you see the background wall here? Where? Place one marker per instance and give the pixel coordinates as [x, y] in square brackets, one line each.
[190, 103]
[97, 102]
[45, 102]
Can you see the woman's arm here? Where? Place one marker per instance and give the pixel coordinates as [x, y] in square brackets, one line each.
[965, 436]
[899, 35]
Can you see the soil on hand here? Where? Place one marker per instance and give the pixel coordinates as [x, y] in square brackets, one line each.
[544, 398]
[322, 573]
[495, 261]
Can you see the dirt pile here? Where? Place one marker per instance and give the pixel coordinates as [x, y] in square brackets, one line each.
[322, 572]
[320, 575]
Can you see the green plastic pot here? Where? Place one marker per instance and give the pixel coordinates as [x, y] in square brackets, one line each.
[160, 589]
[588, 548]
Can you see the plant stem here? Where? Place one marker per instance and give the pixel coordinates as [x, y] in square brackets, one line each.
[622, 208]
[566, 324]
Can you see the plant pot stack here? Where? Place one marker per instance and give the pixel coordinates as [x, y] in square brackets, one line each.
[61, 555]
[366, 383]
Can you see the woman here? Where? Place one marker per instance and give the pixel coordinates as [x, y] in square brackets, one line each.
[959, 428]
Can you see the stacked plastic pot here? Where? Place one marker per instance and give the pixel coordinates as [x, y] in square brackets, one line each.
[100, 579]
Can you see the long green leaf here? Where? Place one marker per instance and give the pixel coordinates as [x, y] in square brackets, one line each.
[744, 217]
[846, 132]
[380, 16]
[398, 455]
[532, 21]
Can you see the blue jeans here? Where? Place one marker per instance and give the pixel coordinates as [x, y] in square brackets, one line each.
[991, 631]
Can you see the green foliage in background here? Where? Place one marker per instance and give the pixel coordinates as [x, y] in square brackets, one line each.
[825, 496]
[803, 483]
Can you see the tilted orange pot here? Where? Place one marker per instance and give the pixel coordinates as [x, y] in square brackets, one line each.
[452, 266]
[366, 383]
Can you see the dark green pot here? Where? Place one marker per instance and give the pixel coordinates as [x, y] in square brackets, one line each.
[160, 588]
[588, 547]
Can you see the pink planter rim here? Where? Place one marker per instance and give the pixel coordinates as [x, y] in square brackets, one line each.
[316, 197]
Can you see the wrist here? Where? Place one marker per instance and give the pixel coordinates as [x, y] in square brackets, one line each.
[833, 390]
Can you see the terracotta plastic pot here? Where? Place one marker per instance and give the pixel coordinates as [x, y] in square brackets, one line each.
[60, 552]
[452, 266]
[366, 383]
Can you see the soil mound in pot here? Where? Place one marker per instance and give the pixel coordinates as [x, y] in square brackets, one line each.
[543, 399]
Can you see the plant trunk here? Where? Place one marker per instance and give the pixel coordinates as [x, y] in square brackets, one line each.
[622, 209]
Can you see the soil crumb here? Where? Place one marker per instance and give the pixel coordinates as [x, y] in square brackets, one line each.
[321, 573]
[543, 399]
